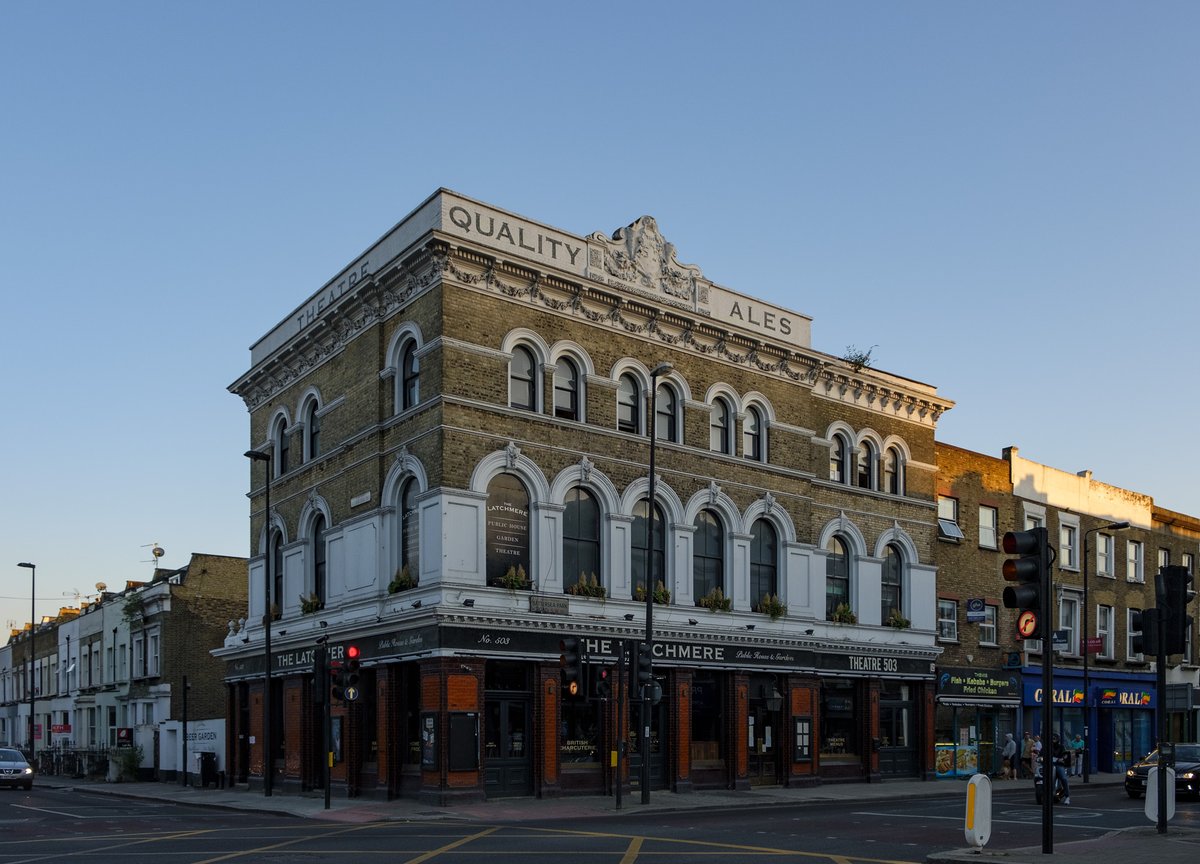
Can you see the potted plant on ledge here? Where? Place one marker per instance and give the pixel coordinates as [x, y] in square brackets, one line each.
[662, 596]
[716, 601]
[585, 588]
[843, 614]
[897, 620]
[310, 603]
[772, 606]
[402, 581]
[514, 579]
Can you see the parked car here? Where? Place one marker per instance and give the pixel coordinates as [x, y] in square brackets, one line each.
[14, 769]
[1187, 772]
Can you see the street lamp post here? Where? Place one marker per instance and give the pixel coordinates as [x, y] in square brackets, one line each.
[651, 573]
[32, 638]
[268, 758]
[1087, 690]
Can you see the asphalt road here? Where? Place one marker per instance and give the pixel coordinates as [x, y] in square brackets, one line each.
[65, 825]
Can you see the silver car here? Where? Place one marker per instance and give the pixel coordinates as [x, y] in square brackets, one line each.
[14, 769]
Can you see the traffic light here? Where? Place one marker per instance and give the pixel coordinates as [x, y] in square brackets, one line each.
[337, 681]
[645, 664]
[1143, 630]
[603, 683]
[571, 661]
[1031, 572]
[320, 675]
[350, 672]
[1175, 598]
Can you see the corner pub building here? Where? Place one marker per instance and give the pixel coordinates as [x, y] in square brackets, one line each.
[458, 430]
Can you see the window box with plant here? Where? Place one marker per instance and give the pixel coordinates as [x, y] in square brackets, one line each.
[716, 601]
[843, 614]
[897, 620]
[310, 603]
[402, 581]
[662, 596]
[771, 606]
[588, 588]
[514, 579]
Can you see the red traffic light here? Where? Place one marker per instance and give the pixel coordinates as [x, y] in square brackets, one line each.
[352, 652]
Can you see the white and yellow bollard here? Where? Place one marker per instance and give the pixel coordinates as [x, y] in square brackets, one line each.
[978, 824]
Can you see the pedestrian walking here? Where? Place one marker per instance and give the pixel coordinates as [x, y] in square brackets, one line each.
[1027, 756]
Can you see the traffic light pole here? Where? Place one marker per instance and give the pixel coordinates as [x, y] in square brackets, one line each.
[1048, 766]
[622, 725]
[1160, 680]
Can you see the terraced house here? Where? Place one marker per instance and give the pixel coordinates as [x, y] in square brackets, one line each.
[458, 429]
[1108, 544]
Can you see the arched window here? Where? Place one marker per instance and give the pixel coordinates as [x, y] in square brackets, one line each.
[410, 530]
[864, 465]
[629, 405]
[507, 531]
[522, 379]
[410, 376]
[281, 440]
[312, 427]
[708, 556]
[893, 472]
[718, 427]
[666, 426]
[566, 390]
[891, 597]
[839, 457]
[275, 550]
[318, 558]
[645, 553]
[764, 561]
[752, 435]
[581, 539]
[837, 577]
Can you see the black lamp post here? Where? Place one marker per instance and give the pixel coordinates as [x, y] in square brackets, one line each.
[32, 638]
[660, 369]
[1087, 690]
[269, 757]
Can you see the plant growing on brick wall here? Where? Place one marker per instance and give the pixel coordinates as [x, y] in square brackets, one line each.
[661, 595]
[716, 601]
[771, 606]
[514, 579]
[843, 614]
[310, 603]
[402, 581]
[586, 588]
[129, 760]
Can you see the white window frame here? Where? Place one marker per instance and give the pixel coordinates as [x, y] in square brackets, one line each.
[1068, 611]
[1129, 631]
[989, 527]
[1135, 561]
[947, 519]
[987, 627]
[947, 620]
[1068, 542]
[1106, 549]
[1164, 557]
[1104, 630]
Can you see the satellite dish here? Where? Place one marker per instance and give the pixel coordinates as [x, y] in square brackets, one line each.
[100, 586]
[158, 552]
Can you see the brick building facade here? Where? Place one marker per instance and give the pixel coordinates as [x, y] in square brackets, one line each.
[459, 473]
[1108, 543]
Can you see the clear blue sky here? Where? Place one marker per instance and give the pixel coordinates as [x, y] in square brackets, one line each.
[1002, 197]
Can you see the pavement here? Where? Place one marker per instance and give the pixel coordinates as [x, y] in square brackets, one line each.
[1143, 843]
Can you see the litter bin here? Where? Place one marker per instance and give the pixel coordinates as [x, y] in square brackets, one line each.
[208, 770]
